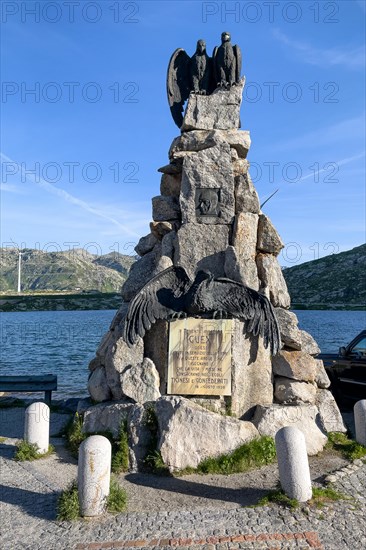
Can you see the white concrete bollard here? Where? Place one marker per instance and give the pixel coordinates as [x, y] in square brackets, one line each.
[359, 411]
[293, 464]
[94, 474]
[37, 425]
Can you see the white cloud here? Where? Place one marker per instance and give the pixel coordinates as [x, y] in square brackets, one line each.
[347, 57]
[343, 131]
[61, 193]
[338, 163]
[9, 188]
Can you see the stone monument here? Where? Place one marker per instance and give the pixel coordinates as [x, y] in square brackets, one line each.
[208, 219]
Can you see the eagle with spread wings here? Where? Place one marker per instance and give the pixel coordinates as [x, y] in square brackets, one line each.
[172, 294]
[188, 75]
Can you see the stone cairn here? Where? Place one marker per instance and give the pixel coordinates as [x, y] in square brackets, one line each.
[239, 243]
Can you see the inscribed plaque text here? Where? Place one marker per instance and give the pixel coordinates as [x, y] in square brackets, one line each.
[199, 357]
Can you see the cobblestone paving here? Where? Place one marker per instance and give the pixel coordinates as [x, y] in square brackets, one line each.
[28, 521]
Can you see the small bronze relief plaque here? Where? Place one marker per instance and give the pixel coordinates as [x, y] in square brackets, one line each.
[200, 357]
[207, 202]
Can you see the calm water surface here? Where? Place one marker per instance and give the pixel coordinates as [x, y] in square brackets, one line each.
[56, 342]
[63, 342]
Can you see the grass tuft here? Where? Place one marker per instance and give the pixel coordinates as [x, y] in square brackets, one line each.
[278, 497]
[68, 508]
[120, 461]
[350, 449]
[322, 496]
[30, 451]
[153, 460]
[74, 434]
[250, 455]
[117, 499]
[155, 463]
[150, 419]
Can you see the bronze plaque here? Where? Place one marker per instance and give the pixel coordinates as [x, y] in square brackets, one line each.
[200, 357]
[207, 203]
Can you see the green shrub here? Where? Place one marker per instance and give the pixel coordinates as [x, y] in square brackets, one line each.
[74, 434]
[150, 419]
[154, 461]
[30, 451]
[349, 448]
[117, 500]
[68, 508]
[120, 460]
[68, 504]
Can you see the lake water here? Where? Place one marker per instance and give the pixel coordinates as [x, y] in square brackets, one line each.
[63, 342]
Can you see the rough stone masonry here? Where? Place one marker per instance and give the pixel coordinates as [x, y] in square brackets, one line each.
[208, 216]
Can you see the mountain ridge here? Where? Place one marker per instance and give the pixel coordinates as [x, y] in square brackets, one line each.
[69, 270]
[337, 279]
[334, 281]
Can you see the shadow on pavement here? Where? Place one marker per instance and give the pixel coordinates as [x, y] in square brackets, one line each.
[12, 422]
[6, 450]
[243, 496]
[37, 504]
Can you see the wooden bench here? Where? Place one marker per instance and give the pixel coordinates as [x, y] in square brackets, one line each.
[45, 382]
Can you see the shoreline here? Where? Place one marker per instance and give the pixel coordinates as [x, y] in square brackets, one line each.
[81, 301]
[87, 301]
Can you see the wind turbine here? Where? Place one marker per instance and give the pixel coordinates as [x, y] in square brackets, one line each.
[19, 271]
[19, 266]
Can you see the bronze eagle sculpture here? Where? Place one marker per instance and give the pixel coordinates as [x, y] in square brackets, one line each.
[201, 74]
[226, 62]
[172, 294]
[188, 74]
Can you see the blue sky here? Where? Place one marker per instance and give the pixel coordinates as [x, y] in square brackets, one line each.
[97, 125]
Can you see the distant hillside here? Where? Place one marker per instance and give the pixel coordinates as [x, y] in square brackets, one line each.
[336, 281]
[74, 270]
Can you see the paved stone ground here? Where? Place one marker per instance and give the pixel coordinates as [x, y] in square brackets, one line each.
[29, 498]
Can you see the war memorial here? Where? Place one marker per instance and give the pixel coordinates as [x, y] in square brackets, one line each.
[204, 335]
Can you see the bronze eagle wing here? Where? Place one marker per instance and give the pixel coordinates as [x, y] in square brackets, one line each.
[158, 299]
[216, 75]
[178, 83]
[237, 53]
[245, 303]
